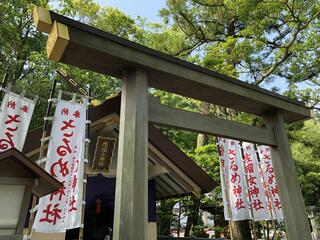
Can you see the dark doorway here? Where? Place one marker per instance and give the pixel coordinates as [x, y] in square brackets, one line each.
[98, 221]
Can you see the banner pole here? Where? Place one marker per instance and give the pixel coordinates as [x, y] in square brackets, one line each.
[86, 156]
[41, 150]
[263, 229]
[3, 83]
[274, 227]
[254, 229]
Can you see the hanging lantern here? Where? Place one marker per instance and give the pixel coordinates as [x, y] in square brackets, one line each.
[98, 206]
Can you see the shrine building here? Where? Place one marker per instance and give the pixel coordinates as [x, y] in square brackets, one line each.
[171, 172]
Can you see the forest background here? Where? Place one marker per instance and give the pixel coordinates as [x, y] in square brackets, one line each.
[271, 44]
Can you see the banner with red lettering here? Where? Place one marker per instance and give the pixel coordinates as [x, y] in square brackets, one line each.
[249, 189]
[270, 182]
[224, 166]
[235, 182]
[257, 195]
[61, 210]
[15, 117]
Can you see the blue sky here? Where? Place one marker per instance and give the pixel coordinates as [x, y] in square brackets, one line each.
[144, 8]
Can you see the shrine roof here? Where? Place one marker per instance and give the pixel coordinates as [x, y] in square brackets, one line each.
[160, 145]
[21, 167]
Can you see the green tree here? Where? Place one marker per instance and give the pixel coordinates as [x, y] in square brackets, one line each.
[22, 48]
[259, 41]
[305, 145]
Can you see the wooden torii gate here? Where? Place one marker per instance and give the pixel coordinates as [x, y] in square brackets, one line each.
[139, 67]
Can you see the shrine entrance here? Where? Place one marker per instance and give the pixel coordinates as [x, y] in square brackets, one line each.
[98, 221]
[140, 68]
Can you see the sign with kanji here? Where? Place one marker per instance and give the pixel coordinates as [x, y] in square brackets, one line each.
[248, 184]
[103, 154]
[15, 116]
[61, 210]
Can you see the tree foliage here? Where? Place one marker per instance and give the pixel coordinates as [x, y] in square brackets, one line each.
[261, 42]
[305, 145]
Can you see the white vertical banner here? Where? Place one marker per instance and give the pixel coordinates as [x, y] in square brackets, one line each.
[15, 117]
[224, 172]
[61, 210]
[258, 199]
[237, 182]
[248, 183]
[270, 183]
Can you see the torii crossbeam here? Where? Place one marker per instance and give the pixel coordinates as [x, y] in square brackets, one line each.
[139, 67]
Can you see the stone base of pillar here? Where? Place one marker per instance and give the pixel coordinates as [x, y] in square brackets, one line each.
[152, 227]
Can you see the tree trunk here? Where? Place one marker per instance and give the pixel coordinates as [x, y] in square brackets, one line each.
[194, 216]
[240, 230]
[202, 140]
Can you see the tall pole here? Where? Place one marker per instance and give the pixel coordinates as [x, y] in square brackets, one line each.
[131, 200]
[3, 83]
[49, 106]
[86, 156]
[41, 153]
[295, 216]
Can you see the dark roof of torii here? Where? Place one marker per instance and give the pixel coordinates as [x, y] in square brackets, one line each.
[160, 141]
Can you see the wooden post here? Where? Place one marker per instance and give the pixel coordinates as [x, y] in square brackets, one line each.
[131, 200]
[41, 150]
[86, 156]
[296, 221]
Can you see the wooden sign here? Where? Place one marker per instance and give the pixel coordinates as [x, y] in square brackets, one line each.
[103, 154]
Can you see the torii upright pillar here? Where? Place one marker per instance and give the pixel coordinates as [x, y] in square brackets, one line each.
[295, 216]
[131, 200]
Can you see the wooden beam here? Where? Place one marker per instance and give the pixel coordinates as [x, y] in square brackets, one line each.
[17, 181]
[42, 19]
[156, 170]
[153, 171]
[131, 200]
[99, 51]
[164, 115]
[152, 227]
[57, 42]
[295, 216]
[175, 171]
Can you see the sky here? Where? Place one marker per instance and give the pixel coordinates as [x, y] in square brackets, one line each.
[144, 8]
